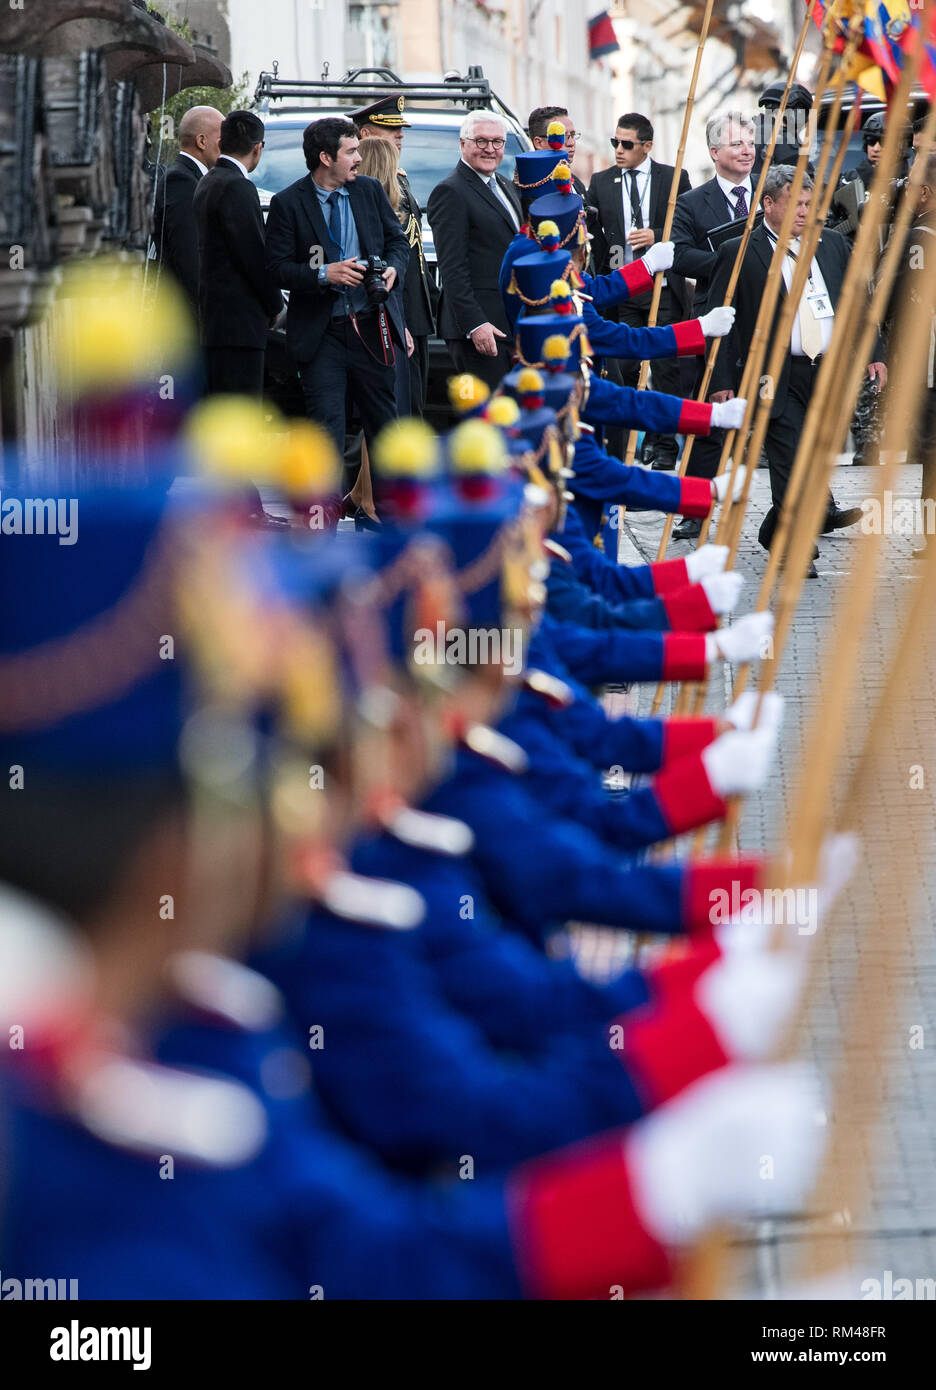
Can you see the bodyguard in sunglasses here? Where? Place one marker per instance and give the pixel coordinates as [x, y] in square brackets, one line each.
[631, 199]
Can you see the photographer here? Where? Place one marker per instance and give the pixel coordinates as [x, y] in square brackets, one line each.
[334, 243]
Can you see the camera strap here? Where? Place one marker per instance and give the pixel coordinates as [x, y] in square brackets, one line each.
[387, 348]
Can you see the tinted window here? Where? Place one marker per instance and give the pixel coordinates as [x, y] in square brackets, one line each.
[429, 154]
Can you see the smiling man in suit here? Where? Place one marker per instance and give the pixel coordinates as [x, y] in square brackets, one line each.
[810, 336]
[631, 199]
[474, 214]
[320, 231]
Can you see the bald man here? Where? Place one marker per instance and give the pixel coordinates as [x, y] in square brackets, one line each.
[174, 237]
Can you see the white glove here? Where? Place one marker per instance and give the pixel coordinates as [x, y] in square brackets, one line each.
[742, 1141]
[717, 322]
[720, 483]
[708, 559]
[729, 415]
[743, 641]
[723, 590]
[740, 763]
[741, 713]
[659, 256]
[749, 998]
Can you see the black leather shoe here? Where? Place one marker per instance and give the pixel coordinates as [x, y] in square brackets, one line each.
[839, 517]
[663, 463]
[688, 530]
[363, 522]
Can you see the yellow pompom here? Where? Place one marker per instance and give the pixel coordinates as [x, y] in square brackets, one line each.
[467, 392]
[231, 437]
[555, 128]
[476, 447]
[555, 346]
[107, 337]
[562, 173]
[503, 411]
[547, 228]
[407, 448]
[559, 289]
[529, 381]
[308, 463]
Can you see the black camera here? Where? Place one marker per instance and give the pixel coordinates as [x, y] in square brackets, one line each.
[374, 284]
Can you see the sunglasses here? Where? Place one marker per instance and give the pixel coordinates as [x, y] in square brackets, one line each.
[626, 144]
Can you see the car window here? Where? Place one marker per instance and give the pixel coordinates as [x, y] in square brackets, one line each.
[429, 154]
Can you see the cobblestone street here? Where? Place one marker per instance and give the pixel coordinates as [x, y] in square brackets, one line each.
[896, 1229]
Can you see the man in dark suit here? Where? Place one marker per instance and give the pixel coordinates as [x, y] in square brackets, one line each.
[384, 120]
[237, 299]
[175, 237]
[631, 199]
[809, 340]
[724, 198]
[320, 230]
[474, 215]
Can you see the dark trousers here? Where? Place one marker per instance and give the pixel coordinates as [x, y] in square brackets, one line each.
[782, 440]
[664, 373]
[233, 371]
[466, 358]
[343, 362]
[419, 374]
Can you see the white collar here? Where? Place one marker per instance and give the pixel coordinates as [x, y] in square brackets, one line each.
[232, 159]
[203, 168]
[485, 178]
[728, 188]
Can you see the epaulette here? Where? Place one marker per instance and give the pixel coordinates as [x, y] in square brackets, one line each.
[495, 748]
[196, 1118]
[226, 992]
[373, 902]
[425, 830]
[558, 551]
[553, 690]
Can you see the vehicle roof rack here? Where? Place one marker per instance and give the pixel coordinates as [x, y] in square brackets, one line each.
[473, 92]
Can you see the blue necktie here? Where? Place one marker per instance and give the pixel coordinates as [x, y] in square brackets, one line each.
[741, 207]
[334, 220]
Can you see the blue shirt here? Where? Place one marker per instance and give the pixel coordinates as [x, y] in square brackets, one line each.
[346, 301]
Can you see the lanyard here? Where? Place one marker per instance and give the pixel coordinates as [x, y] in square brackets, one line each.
[810, 283]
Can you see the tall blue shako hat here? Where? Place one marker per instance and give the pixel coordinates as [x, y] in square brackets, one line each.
[532, 278]
[558, 320]
[533, 168]
[564, 209]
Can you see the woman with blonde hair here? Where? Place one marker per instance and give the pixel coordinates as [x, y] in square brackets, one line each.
[380, 161]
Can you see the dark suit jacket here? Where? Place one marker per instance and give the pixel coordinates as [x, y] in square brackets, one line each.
[175, 235]
[297, 243]
[697, 212]
[419, 291]
[604, 193]
[236, 297]
[832, 254]
[471, 231]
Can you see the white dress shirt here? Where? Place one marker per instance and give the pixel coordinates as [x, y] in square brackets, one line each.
[494, 186]
[728, 190]
[814, 285]
[642, 172]
[232, 159]
[202, 168]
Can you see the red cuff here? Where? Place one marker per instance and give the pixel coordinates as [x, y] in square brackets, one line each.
[713, 891]
[683, 656]
[684, 736]
[674, 978]
[686, 796]
[690, 340]
[689, 610]
[669, 1050]
[636, 277]
[695, 418]
[695, 495]
[576, 1230]
[670, 574]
